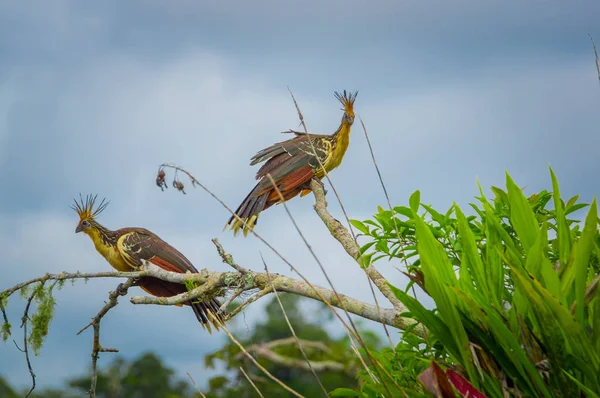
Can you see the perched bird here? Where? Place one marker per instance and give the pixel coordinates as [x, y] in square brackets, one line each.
[125, 249]
[292, 164]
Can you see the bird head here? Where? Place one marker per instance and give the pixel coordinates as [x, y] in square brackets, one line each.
[87, 211]
[347, 99]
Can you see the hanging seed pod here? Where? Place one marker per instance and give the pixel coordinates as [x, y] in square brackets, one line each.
[160, 180]
[179, 185]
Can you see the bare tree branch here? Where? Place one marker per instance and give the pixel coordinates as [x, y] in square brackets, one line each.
[25, 349]
[265, 350]
[97, 348]
[213, 282]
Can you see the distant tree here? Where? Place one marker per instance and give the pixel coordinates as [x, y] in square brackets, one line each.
[143, 377]
[5, 389]
[272, 336]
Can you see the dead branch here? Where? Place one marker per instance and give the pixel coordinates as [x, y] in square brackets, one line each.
[266, 351]
[97, 348]
[25, 349]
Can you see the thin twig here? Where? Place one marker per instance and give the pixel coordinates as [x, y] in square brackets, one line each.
[292, 328]
[227, 258]
[596, 54]
[251, 382]
[24, 321]
[387, 197]
[73, 275]
[230, 299]
[97, 348]
[246, 303]
[258, 365]
[195, 386]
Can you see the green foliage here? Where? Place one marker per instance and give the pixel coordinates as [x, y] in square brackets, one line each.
[309, 327]
[41, 318]
[6, 391]
[516, 311]
[5, 328]
[143, 377]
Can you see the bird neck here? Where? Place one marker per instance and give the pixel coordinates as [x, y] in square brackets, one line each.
[341, 140]
[102, 237]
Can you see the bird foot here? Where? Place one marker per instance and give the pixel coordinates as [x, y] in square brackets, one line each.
[121, 290]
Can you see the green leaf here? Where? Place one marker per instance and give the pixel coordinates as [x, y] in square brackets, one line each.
[439, 276]
[521, 215]
[576, 207]
[582, 258]
[415, 200]
[430, 320]
[470, 254]
[588, 391]
[403, 210]
[366, 247]
[435, 216]
[562, 336]
[345, 392]
[360, 226]
[564, 233]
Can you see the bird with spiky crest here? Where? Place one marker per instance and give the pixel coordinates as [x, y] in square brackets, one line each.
[126, 248]
[292, 164]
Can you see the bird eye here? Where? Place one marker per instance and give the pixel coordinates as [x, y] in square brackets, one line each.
[84, 223]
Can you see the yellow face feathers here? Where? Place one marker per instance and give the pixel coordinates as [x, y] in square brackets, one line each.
[87, 210]
[347, 99]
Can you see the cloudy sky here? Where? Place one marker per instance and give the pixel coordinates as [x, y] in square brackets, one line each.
[95, 95]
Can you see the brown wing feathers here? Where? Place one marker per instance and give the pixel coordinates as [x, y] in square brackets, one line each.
[140, 244]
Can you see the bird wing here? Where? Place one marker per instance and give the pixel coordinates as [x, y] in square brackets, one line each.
[137, 244]
[291, 163]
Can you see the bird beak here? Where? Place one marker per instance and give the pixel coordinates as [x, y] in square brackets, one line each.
[78, 229]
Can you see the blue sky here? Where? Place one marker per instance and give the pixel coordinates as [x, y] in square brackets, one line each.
[94, 95]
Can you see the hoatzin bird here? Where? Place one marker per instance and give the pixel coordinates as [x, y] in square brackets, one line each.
[125, 249]
[292, 164]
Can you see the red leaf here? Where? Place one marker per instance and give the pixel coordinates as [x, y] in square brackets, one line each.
[435, 381]
[463, 386]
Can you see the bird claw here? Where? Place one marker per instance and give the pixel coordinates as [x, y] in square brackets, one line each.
[121, 290]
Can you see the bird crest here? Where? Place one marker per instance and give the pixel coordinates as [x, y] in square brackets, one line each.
[86, 208]
[347, 99]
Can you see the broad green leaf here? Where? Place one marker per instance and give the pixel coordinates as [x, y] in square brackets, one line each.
[470, 254]
[561, 334]
[431, 321]
[415, 200]
[572, 201]
[582, 258]
[588, 392]
[576, 207]
[509, 352]
[511, 249]
[439, 275]
[522, 216]
[360, 226]
[403, 210]
[564, 233]
[435, 216]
